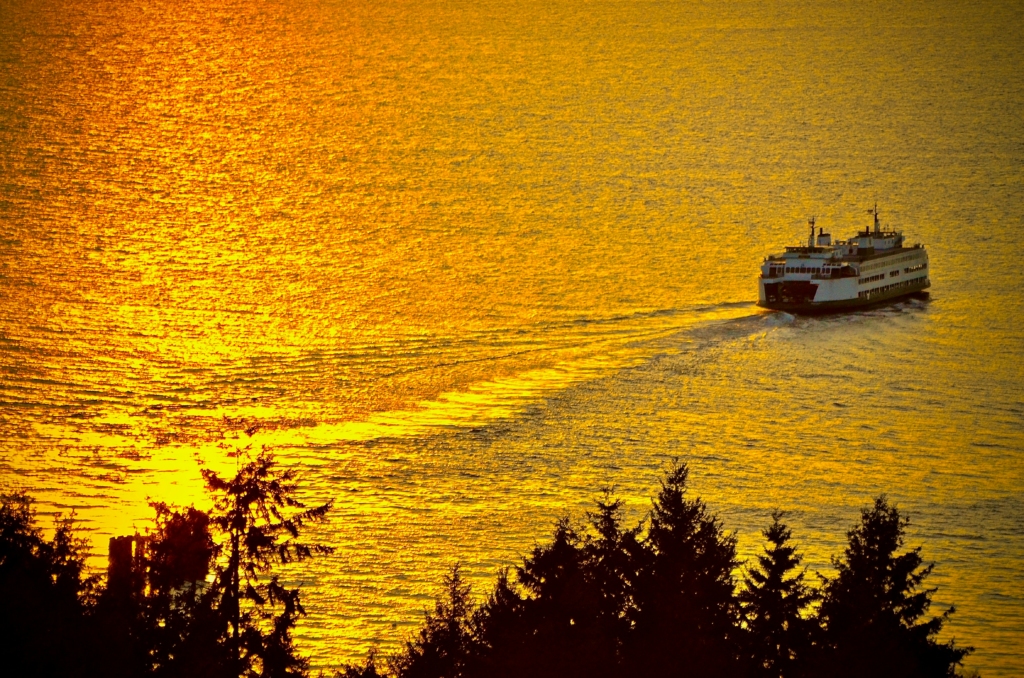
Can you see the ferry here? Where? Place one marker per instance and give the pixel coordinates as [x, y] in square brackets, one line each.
[870, 268]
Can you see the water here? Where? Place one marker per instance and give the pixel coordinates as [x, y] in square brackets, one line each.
[464, 264]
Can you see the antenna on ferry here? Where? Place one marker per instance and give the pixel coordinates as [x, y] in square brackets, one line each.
[875, 212]
[810, 240]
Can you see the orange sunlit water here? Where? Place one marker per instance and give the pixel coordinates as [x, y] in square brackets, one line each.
[465, 264]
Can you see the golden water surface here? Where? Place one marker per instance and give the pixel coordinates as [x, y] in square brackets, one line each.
[465, 263]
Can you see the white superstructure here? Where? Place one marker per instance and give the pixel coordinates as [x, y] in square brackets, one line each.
[871, 267]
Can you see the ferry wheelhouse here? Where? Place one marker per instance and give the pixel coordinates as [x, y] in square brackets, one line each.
[869, 268]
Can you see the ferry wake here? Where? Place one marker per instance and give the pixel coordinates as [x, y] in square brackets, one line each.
[869, 268]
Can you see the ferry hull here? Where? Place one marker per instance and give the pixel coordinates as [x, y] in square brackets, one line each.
[840, 305]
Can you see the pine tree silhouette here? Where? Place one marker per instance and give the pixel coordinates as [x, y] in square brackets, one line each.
[445, 643]
[367, 669]
[503, 637]
[261, 520]
[199, 595]
[774, 599]
[871, 610]
[174, 619]
[568, 612]
[185, 634]
[559, 606]
[44, 596]
[686, 621]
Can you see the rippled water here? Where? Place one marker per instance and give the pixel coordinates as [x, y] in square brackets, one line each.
[464, 264]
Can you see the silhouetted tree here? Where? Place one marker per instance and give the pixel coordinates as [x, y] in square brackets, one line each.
[501, 632]
[557, 605]
[367, 669]
[568, 612]
[261, 519]
[686, 618]
[445, 644]
[612, 559]
[44, 596]
[204, 600]
[774, 599]
[186, 632]
[576, 609]
[871, 610]
[540, 626]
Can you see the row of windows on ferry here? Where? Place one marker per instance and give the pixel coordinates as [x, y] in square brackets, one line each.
[884, 288]
[892, 274]
[878, 276]
[889, 262]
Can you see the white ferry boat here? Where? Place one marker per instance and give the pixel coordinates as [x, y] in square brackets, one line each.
[869, 268]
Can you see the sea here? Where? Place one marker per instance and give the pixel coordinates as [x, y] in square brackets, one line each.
[464, 265]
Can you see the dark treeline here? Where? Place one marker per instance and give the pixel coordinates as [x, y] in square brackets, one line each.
[196, 597]
[199, 596]
[661, 599]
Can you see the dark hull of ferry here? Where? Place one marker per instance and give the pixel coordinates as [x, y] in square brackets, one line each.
[807, 307]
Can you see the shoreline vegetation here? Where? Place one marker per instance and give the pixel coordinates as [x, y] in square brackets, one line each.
[198, 596]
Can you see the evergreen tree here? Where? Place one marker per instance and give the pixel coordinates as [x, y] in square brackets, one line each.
[162, 613]
[44, 596]
[182, 632]
[557, 606]
[774, 599]
[501, 633]
[187, 632]
[261, 519]
[156, 608]
[367, 669]
[568, 613]
[686, 618]
[871, 611]
[200, 596]
[579, 597]
[611, 560]
[445, 644]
